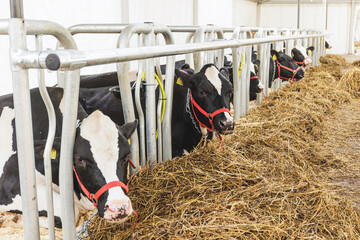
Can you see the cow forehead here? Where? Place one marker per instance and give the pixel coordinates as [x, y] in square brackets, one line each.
[302, 50]
[103, 137]
[212, 74]
[252, 67]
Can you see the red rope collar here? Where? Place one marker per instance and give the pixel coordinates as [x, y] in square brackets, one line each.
[292, 79]
[94, 197]
[209, 116]
[301, 63]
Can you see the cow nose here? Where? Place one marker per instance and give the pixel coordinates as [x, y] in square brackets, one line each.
[118, 210]
[261, 87]
[308, 62]
[226, 126]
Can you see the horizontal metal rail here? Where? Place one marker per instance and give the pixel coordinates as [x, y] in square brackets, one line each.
[75, 59]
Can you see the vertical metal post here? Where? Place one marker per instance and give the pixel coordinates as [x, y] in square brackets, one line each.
[49, 142]
[248, 53]
[243, 79]
[195, 12]
[351, 29]
[298, 14]
[71, 99]
[139, 107]
[327, 13]
[169, 90]
[150, 103]
[16, 9]
[23, 123]
[159, 107]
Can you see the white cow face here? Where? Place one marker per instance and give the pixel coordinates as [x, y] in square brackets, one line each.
[101, 156]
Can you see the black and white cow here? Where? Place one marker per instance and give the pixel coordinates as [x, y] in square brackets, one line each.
[101, 156]
[255, 84]
[327, 45]
[201, 104]
[300, 55]
[283, 66]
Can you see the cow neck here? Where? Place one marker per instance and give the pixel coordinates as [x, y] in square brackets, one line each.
[301, 64]
[189, 111]
[251, 78]
[292, 79]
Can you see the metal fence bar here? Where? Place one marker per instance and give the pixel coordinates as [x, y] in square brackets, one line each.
[70, 59]
[150, 102]
[24, 133]
[34, 27]
[48, 146]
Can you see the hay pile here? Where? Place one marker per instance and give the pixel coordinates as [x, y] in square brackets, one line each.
[356, 63]
[266, 182]
[332, 64]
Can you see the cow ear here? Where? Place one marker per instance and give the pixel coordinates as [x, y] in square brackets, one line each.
[224, 72]
[128, 128]
[39, 147]
[257, 62]
[182, 78]
[274, 54]
[310, 49]
[185, 66]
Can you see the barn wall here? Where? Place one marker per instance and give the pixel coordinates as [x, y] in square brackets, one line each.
[311, 16]
[244, 13]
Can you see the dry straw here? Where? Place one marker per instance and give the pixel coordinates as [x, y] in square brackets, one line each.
[268, 180]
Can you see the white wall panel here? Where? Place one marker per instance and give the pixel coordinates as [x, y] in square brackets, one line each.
[244, 13]
[311, 16]
[216, 12]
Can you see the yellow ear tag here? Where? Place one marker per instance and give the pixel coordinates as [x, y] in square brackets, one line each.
[292, 54]
[52, 154]
[309, 51]
[180, 82]
[129, 141]
[274, 57]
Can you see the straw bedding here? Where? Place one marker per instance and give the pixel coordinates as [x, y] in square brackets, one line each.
[269, 180]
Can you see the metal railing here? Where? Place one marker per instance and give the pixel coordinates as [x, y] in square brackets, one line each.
[72, 61]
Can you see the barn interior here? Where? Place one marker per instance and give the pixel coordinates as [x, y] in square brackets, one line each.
[289, 170]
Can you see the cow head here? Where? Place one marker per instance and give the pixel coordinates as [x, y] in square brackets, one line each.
[212, 91]
[101, 156]
[255, 84]
[289, 70]
[300, 55]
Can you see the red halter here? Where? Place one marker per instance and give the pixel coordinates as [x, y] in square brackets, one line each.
[209, 116]
[301, 63]
[94, 197]
[291, 80]
[254, 77]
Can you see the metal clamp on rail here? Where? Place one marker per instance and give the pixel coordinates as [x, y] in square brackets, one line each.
[53, 62]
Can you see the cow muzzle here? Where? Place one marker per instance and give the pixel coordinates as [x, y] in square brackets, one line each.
[226, 126]
[307, 62]
[117, 211]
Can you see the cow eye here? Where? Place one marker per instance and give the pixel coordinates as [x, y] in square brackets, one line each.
[80, 162]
